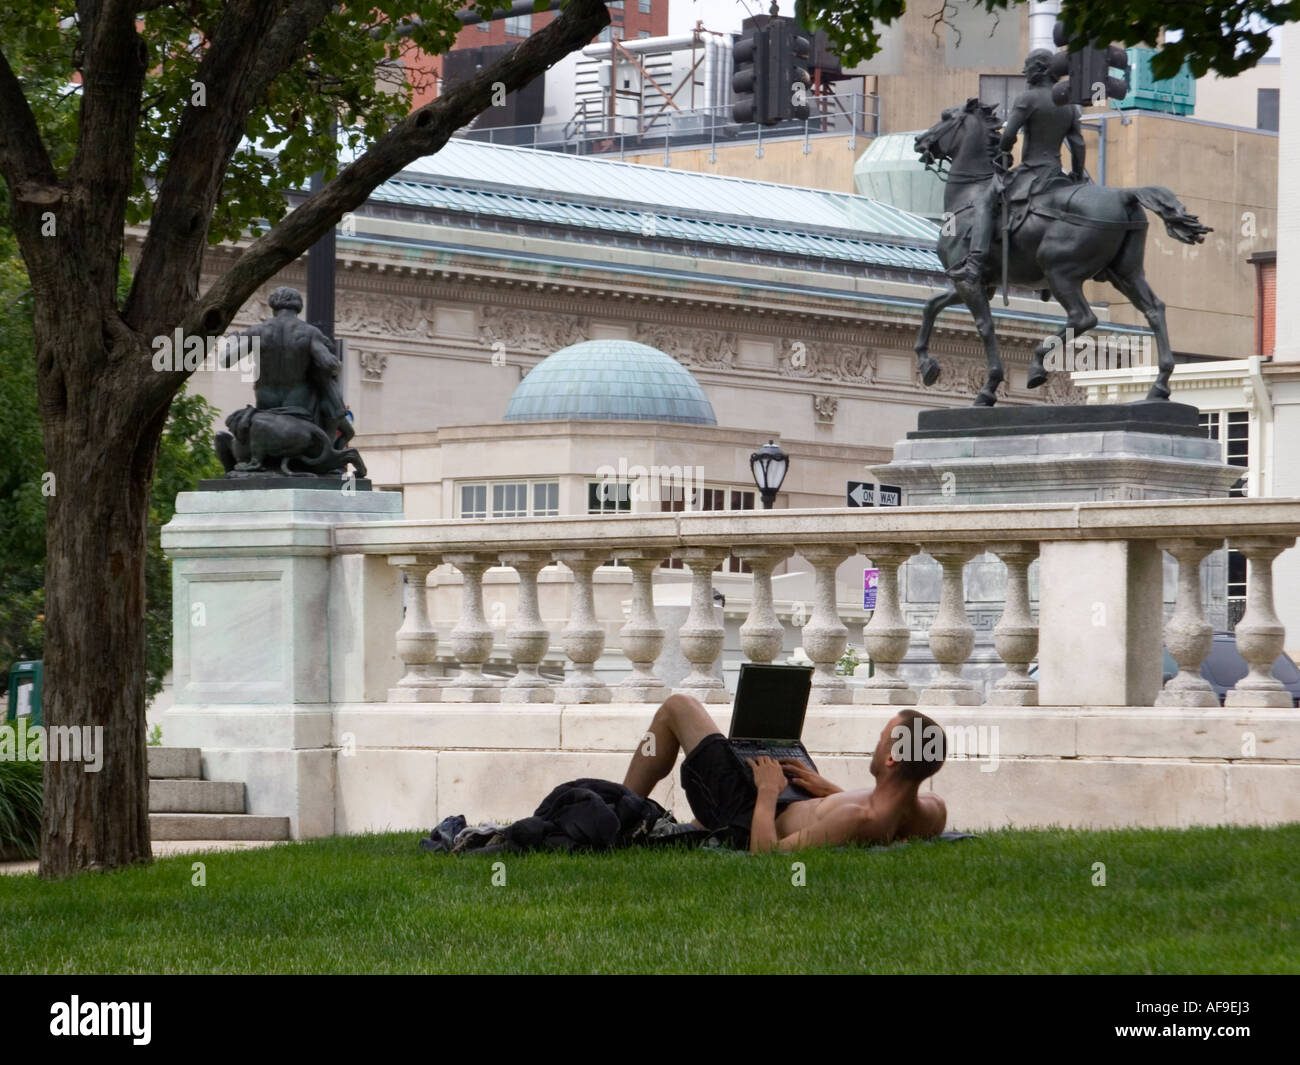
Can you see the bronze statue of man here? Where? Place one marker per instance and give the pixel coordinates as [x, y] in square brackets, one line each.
[297, 381]
[1046, 126]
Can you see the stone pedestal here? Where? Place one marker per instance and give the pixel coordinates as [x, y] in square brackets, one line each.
[1057, 454]
[270, 628]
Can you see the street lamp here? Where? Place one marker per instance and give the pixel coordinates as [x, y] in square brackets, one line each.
[770, 465]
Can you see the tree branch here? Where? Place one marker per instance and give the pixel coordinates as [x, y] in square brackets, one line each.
[422, 133]
[230, 76]
[26, 166]
[99, 179]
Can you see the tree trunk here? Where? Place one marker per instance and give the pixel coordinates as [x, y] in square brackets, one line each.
[96, 523]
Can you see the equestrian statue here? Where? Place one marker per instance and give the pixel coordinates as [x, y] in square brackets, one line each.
[1035, 226]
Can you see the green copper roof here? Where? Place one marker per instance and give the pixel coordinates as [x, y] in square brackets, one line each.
[610, 380]
[606, 196]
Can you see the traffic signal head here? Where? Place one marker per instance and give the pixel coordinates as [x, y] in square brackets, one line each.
[1117, 59]
[1086, 71]
[748, 80]
[795, 76]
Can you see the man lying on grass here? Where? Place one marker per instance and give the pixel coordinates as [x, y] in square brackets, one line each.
[723, 794]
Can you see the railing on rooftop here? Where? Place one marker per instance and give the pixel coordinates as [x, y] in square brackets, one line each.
[593, 132]
[1187, 529]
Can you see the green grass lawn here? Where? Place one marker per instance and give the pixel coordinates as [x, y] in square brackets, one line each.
[1224, 900]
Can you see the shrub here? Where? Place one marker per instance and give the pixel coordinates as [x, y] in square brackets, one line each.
[21, 793]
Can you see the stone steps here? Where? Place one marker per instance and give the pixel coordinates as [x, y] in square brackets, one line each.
[166, 763]
[183, 806]
[202, 827]
[196, 797]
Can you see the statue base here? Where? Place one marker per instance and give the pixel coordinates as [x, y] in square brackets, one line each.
[1145, 416]
[1061, 454]
[266, 482]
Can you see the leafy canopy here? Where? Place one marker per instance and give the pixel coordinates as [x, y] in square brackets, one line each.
[358, 71]
[1226, 36]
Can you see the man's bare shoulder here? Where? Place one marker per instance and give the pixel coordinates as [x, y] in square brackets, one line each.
[928, 819]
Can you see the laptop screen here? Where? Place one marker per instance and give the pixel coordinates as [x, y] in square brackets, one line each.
[770, 702]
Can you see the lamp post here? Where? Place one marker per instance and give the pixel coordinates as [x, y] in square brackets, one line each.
[770, 465]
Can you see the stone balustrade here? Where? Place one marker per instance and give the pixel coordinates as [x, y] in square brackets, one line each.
[1097, 643]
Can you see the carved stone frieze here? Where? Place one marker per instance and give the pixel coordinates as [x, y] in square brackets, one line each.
[818, 360]
[707, 348]
[523, 330]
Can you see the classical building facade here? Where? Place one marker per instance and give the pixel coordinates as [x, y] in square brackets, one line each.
[793, 310]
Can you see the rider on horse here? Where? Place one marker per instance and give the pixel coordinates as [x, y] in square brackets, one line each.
[1046, 125]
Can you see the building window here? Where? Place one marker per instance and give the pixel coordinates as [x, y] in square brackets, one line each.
[643, 6]
[615, 5]
[546, 499]
[709, 499]
[1236, 588]
[642, 34]
[1001, 91]
[1232, 429]
[1266, 104]
[609, 497]
[473, 501]
[510, 499]
[483, 27]
[519, 26]
[604, 35]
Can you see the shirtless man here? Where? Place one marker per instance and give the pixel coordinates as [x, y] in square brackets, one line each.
[722, 794]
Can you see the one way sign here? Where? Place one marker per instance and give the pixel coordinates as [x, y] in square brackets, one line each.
[867, 494]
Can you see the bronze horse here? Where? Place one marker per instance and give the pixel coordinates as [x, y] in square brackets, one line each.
[1071, 234]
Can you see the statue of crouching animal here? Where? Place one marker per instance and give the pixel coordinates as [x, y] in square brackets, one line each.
[258, 437]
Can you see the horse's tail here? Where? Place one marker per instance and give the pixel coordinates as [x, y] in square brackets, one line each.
[1179, 222]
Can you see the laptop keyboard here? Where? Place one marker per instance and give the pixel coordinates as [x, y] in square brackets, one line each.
[754, 750]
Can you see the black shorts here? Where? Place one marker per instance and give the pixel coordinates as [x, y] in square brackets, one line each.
[720, 788]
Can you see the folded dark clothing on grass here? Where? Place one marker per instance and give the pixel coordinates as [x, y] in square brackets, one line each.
[585, 814]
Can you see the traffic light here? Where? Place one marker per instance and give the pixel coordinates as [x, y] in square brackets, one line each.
[792, 81]
[1084, 75]
[750, 83]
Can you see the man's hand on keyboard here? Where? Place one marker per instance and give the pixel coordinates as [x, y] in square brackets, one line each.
[809, 780]
[768, 775]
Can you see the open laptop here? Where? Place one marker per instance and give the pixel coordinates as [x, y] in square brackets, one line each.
[767, 718]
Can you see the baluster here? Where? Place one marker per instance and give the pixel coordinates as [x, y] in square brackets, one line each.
[472, 638]
[825, 636]
[1016, 635]
[701, 637]
[952, 637]
[642, 638]
[762, 636]
[528, 638]
[583, 636]
[1188, 635]
[1260, 633]
[887, 635]
[417, 639]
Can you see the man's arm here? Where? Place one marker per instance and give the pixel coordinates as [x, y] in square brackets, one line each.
[845, 824]
[769, 778]
[1078, 150]
[322, 356]
[1019, 112]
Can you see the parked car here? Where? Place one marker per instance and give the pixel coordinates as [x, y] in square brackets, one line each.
[1224, 666]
